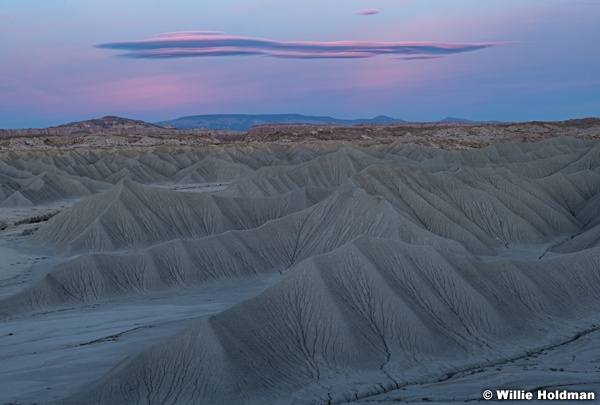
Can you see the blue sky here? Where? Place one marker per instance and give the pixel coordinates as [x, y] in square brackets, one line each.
[419, 60]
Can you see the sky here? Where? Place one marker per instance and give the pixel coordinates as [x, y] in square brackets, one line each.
[418, 60]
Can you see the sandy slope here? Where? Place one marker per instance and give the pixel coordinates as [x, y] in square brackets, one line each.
[49, 355]
[320, 274]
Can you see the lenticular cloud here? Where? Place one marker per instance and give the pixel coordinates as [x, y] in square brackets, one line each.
[371, 11]
[212, 43]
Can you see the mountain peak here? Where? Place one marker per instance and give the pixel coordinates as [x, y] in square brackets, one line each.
[109, 122]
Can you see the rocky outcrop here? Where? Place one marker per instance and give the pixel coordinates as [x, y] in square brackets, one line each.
[109, 132]
[447, 135]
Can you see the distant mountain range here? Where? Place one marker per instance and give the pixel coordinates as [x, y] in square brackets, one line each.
[228, 122]
[243, 122]
[464, 121]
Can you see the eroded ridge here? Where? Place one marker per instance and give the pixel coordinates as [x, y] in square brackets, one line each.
[375, 267]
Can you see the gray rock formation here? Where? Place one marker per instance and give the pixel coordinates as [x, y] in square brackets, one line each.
[391, 265]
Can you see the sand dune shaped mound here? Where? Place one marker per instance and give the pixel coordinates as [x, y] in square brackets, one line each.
[212, 170]
[44, 188]
[273, 247]
[522, 196]
[590, 160]
[34, 188]
[101, 164]
[141, 174]
[9, 187]
[11, 172]
[131, 215]
[16, 199]
[369, 317]
[589, 213]
[480, 208]
[552, 164]
[369, 267]
[280, 169]
[572, 191]
[326, 171]
[104, 167]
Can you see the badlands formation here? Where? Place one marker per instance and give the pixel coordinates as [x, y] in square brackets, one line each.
[298, 264]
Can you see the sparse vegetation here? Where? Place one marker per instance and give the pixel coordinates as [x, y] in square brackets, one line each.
[36, 219]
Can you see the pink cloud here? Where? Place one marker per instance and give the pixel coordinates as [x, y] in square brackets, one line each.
[422, 57]
[370, 11]
[533, 20]
[201, 43]
[183, 34]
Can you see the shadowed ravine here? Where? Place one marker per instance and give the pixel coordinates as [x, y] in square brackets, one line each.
[330, 274]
